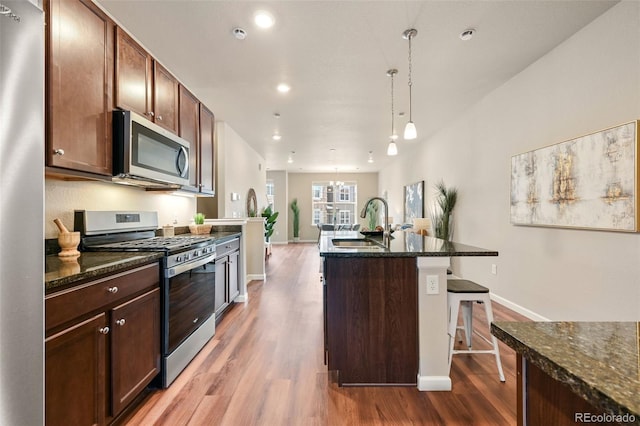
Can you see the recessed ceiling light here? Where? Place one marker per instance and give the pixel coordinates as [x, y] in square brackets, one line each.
[276, 137]
[467, 34]
[283, 88]
[263, 19]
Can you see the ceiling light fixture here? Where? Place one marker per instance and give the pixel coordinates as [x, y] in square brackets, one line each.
[392, 149]
[264, 19]
[283, 88]
[467, 34]
[239, 33]
[410, 131]
[370, 160]
[276, 134]
[290, 159]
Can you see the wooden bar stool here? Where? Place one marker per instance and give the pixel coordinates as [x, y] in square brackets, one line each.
[464, 293]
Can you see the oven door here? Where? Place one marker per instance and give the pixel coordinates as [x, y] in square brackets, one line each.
[189, 300]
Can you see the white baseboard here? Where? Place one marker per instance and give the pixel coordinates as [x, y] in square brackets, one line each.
[519, 309]
[434, 383]
[259, 277]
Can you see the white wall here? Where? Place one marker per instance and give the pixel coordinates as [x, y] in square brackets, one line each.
[589, 82]
[240, 167]
[281, 205]
[63, 197]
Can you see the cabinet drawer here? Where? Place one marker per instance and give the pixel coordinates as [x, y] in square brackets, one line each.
[227, 247]
[69, 304]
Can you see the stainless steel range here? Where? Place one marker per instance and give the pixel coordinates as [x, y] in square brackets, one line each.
[188, 278]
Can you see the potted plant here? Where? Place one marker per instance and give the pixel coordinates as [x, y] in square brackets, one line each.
[442, 219]
[269, 224]
[372, 215]
[296, 220]
[199, 227]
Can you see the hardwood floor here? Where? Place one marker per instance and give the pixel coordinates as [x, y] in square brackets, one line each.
[265, 366]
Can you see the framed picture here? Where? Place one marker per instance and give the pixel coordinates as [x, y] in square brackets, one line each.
[590, 182]
[413, 201]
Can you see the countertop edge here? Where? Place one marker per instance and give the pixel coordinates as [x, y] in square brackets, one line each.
[578, 385]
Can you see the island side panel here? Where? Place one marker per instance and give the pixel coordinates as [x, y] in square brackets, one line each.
[372, 330]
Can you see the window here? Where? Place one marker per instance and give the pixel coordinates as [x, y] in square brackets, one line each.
[270, 191]
[340, 209]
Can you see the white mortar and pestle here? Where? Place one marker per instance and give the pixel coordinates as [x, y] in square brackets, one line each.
[68, 241]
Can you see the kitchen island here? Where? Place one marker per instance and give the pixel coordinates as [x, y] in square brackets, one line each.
[575, 372]
[382, 325]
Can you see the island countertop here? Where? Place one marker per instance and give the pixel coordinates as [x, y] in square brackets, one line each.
[599, 361]
[403, 244]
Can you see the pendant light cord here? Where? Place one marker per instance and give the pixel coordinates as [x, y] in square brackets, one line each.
[393, 129]
[410, 82]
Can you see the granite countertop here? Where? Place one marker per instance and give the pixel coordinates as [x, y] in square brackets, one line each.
[403, 244]
[599, 361]
[64, 272]
[61, 272]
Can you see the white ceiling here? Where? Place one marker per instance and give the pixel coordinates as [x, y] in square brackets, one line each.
[335, 55]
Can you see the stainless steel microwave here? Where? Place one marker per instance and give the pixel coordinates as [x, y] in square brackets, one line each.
[145, 154]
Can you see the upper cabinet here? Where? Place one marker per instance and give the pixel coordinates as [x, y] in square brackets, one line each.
[206, 157]
[134, 76]
[189, 108]
[79, 77]
[143, 85]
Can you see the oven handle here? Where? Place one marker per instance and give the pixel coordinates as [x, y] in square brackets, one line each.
[176, 270]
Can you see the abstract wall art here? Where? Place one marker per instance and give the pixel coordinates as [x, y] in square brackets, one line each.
[413, 201]
[590, 182]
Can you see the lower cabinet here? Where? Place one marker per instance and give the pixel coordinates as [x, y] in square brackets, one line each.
[97, 362]
[227, 273]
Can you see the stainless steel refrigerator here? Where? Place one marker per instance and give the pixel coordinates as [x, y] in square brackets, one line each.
[21, 213]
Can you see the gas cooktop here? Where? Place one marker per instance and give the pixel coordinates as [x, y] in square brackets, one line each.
[156, 244]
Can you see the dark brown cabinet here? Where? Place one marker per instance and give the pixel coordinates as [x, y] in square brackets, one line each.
[102, 346]
[206, 157]
[227, 272]
[79, 86]
[134, 76]
[189, 120]
[143, 85]
[75, 374]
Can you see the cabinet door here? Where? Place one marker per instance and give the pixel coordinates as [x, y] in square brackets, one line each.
[75, 368]
[221, 300]
[135, 347]
[79, 86]
[206, 159]
[134, 76]
[165, 98]
[189, 123]
[232, 271]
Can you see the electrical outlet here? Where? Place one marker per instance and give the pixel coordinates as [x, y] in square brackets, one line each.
[432, 284]
[494, 269]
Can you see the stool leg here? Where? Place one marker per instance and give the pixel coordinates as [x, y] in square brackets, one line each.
[489, 312]
[467, 320]
[453, 303]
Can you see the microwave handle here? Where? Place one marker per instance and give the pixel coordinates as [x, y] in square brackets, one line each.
[185, 153]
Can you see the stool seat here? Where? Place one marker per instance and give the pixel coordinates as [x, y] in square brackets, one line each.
[463, 294]
[465, 286]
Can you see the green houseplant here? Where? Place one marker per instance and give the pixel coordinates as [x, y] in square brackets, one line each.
[372, 215]
[198, 226]
[296, 219]
[269, 224]
[442, 214]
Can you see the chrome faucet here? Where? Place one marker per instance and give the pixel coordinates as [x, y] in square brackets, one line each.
[363, 213]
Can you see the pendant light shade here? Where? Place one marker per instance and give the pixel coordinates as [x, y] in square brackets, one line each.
[392, 149]
[410, 131]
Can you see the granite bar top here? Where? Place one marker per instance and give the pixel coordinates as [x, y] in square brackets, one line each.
[599, 361]
[403, 244]
[60, 272]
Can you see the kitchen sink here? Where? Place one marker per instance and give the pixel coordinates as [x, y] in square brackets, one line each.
[356, 243]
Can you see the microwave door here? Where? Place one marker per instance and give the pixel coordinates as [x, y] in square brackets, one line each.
[182, 162]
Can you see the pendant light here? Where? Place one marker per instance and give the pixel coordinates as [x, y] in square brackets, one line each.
[410, 131]
[392, 149]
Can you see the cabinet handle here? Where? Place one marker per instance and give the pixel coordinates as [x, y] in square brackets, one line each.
[58, 151]
[104, 330]
[159, 118]
[120, 322]
[112, 290]
[195, 320]
[150, 114]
